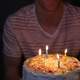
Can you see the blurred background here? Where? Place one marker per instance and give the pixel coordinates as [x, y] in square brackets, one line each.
[8, 7]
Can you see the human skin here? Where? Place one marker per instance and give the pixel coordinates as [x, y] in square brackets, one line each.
[49, 5]
[47, 21]
[49, 14]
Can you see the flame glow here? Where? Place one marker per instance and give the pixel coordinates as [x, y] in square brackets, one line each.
[58, 56]
[40, 51]
[46, 47]
[65, 52]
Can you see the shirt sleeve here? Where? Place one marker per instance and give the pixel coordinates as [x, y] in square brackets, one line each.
[10, 43]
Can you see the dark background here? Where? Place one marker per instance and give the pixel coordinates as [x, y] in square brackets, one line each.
[8, 7]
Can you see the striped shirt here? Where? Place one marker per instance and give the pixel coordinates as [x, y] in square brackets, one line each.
[24, 36]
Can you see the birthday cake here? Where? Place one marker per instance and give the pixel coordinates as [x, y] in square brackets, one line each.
[50, 68]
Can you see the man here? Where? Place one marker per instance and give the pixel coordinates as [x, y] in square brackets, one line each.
[52, 22]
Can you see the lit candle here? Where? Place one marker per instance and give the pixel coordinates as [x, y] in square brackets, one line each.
[65, 52]
[46, 51]
[40, 52]
[58, 60]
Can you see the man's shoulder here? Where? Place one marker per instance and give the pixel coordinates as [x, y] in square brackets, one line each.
[72, 9]
[21, 17]
[23, 12]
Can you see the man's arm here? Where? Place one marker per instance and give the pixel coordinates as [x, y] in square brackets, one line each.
[11, 68]
[12, 51]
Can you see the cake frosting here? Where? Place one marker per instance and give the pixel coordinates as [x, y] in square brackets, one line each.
[49, 66]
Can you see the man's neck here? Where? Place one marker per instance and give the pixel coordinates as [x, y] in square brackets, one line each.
[49, 19]
[45, 15]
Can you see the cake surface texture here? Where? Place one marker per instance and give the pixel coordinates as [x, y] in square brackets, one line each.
[48, 68]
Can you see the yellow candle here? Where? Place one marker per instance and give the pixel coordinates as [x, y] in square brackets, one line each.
[58, 60]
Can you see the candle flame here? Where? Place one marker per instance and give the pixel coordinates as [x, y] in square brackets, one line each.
[40, 51]
[46, 47]
[65, 51]
[58, 56]
[46, 51]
